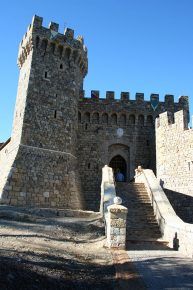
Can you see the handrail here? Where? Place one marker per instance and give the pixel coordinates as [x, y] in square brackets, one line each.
[107, 189]
[172, 227]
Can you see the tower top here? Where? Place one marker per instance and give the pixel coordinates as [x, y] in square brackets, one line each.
[52, 37]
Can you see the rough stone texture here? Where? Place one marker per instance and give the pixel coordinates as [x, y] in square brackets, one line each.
[174, 149]
[60, 139]
[40, 163]
[116, 226]
[98, 141]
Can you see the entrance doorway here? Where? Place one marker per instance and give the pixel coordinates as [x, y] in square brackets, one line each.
[118, 163]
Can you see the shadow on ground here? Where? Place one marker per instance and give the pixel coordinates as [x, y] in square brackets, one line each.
[166, 272]
[28, 270]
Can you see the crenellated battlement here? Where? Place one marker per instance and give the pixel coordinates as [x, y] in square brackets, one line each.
[61, 138]
[178, 120]
[183, 101]
[50, 40]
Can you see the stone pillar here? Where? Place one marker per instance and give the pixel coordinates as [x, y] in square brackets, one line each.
[116, 226]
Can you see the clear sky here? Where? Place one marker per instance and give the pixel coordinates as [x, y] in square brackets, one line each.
[133, 45]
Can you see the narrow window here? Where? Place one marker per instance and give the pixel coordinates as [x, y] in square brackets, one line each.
[55, 114]
[37, 41]
[46, 74]
[88, 165]
[61, 66]
[79, 117]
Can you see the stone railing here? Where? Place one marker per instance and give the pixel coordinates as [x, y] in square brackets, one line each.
[113, 212]
[108, 192]
[178, 233]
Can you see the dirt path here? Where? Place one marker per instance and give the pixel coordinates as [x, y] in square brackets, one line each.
[51, 252]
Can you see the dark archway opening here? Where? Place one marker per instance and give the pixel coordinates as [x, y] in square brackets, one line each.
[119, 164]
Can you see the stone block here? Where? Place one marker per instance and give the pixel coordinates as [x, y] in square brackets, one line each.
[46, 194]
[118, 223]
[121, 239]
[122, 231]
[114, 231]
[119, 215]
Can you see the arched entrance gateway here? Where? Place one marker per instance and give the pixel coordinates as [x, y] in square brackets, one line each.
[119, 158]
[119, 164]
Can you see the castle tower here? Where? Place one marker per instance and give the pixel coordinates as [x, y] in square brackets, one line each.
[40, 164]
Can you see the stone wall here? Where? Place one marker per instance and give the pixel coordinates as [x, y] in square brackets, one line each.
[174, 149]
[40, 166]
[61, 140]
[99, 141]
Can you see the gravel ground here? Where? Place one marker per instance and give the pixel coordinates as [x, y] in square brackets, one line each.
[53, 252]
[47, 249]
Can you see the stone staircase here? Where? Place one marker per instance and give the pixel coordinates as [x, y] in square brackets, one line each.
[141, 222]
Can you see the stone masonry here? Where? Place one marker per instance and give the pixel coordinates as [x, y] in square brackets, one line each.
[174, 150]
[39, 165]
[61, 139]
[116, 226]
[99, 141]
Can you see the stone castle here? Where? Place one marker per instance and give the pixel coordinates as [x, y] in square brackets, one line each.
[61, 140]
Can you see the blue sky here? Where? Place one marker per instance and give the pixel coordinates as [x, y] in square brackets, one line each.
[133, 45]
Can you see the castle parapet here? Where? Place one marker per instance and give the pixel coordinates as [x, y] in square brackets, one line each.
[54, 26]
[154, 97]
[124, 96]
[178, 119]
[110, 95]
[168, 103]
[95, 94]
[169, 100]
[139, 97]
[184, 101]
[37, 21]
[50, 40]
[69, 33]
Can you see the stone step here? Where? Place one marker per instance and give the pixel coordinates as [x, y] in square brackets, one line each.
[141, 222]
[139, 201]
[142, 231]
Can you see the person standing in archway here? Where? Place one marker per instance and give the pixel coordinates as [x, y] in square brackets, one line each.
[119, 176]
